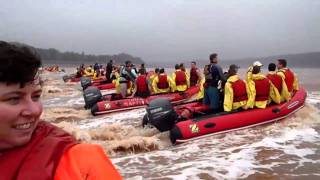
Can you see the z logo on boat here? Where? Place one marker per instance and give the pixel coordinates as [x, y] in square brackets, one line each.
[194, 128]
[107, 106]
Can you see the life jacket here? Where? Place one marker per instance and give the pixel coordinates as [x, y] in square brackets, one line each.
[142, 85]
[289, 78]
[181, 78]
[276, 81]
[40, 157]
[239, 91]
[163, 82]
[262, 89]
[193, 76]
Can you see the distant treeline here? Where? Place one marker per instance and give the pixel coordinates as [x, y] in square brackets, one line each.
[53, 56]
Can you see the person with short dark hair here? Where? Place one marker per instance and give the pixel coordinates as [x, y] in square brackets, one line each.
[236, 91]
[278, 82]
[162, 83]
[29, 147]
[195, 75]
[182, 67]
[142, 86]
[212, 91]
[109, 68]
[289, 77]
[180, 79]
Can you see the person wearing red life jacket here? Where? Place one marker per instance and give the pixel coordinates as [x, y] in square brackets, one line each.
[289, 77]
[181, 79]
[142, 86]
[262, 91]
[162, 83]
[278, 82]
[236, 91]
[195, 75]
[35, 149]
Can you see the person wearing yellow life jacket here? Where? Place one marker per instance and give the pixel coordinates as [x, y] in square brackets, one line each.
[289, 77]
[278, 82]
[162, 83]
[262, 91]
[142, 86]
[181, 79]
[195, 76]
[236, 91]
[88, 71]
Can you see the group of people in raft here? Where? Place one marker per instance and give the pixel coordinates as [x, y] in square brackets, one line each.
[31, 148]
[221, 91]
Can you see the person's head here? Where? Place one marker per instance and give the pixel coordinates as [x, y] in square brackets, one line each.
[282, 63]
[128, 63]
[142, 65]
[20, 91]
[111, 61]
[272, 67]
[156, 70]
[161, 70]
[193, 64]
[256, 69]
[233, 69]
[177, 66]
[142, 71]
[213, 58]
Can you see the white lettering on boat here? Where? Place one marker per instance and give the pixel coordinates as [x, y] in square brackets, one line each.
[292, 105]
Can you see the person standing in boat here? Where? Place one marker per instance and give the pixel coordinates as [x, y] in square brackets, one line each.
[31, 148]
[289, 77]
[212, 92]
[195, 75]
[109, 69]
[127, 79]
[278, 82]
[162, 83]
[262, 91]
[180, 79]
[236, 91]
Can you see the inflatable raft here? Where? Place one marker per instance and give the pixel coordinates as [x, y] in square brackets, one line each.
[193, 120]
[104, 107]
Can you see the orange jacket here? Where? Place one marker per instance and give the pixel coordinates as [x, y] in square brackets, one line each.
[85, 161]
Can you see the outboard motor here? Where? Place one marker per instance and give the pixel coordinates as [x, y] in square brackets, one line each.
[160, 114]
[85, 82]
[91, 96]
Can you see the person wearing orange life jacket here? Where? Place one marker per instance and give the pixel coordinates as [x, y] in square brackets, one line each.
[278, 82]
[142, 86]
[162, 83]
[262, 91]
[195, 76]
[29, 147]
[289, 77]
[181, 79]
[236, 91]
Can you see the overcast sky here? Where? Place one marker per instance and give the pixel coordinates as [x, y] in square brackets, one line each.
[158, 30]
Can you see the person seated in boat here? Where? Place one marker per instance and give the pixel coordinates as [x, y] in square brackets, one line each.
[212, 93]
[31, 148]
[96, 74]
[142, 86]
[236, 91]
[181, 79]
[262, 91]
[78, 73]
[248, 76]
[142, 67]
[88, 72]
[152, 77]
[278, 82]
[195, 75]
[182, 67]
[162, 83]
[288, 75]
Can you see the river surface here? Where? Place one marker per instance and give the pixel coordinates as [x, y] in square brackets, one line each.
[288, 149]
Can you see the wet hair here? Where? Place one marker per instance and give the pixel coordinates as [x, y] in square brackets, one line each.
[142, 65]
[156, 70]
[193, 62]
[161, 70]
[213, 56]
[177, 66]
[19, 64]
[272, 67]
[256, 69]
[283, 62]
